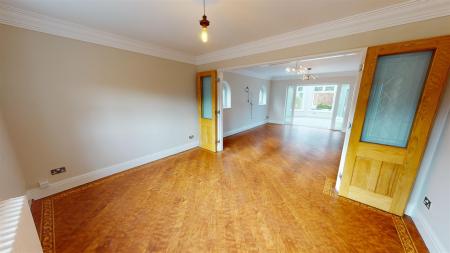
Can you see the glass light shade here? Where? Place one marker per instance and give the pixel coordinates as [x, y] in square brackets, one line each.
[204, 34]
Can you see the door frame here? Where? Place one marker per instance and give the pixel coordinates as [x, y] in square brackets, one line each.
[351, 115]
[219, 107]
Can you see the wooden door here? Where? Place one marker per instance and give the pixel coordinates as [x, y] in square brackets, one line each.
[399, 95]
[207, 109]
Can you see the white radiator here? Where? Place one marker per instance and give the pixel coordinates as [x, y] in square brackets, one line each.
[17, 230]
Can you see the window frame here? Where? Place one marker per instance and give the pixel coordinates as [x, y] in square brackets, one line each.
[323, 89]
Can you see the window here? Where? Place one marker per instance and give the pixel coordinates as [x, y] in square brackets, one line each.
[262, 96]
[226, 95]
[323, 97]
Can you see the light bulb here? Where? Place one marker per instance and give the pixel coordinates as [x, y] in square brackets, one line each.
[204, 34]
[288, 69]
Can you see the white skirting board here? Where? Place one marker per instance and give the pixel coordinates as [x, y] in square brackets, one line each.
[426, 231]
[244, 128]
[279, 122]
[65, 184]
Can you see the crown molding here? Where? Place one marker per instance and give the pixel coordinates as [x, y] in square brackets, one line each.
[328, 75]
[398, 14]
[393, 15]
[13, 16]
[247, 73]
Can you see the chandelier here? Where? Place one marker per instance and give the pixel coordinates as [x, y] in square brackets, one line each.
[308, 76]
[301, 70]
[298, 69]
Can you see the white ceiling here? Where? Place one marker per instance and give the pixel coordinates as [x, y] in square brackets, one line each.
[174, 24]
[330, 65]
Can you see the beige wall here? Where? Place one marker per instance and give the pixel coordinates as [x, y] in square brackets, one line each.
[12, 183]
[86, 107]
[424, 29]
[239, 116]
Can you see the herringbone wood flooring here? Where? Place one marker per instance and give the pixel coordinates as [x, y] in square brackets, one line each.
[263, 193]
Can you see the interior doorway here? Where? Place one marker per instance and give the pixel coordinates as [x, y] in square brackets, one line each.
[315, 91]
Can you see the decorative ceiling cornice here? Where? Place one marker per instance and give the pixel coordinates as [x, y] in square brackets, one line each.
[248, 73]
[398, 14]
[393, 15]
[321, 76]
[37, 22]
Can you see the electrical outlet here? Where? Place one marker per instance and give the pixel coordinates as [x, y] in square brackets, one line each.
[191, 137]
[58, 170]
[427, 202]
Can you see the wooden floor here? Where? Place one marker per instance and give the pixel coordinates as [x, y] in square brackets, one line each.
[270, 190]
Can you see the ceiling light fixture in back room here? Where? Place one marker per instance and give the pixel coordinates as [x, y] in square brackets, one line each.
[308, 76]
[204, 23]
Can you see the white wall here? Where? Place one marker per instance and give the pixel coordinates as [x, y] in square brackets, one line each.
[278, 93]
[437, 189]
[239, 117]
[87, 107]
[12, 183]
[433, 181]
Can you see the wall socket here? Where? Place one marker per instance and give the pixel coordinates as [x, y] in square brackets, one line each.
[58, 170]
[427, 202]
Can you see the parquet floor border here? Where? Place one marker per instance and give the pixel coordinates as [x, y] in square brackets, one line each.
[399, 223]
[278, 175]
[47, 228]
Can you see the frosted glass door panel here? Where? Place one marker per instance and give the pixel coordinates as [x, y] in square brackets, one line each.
[206, 98]
[396, 90]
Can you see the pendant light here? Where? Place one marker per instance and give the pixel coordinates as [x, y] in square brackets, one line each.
[308, 76]
[204, 23]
